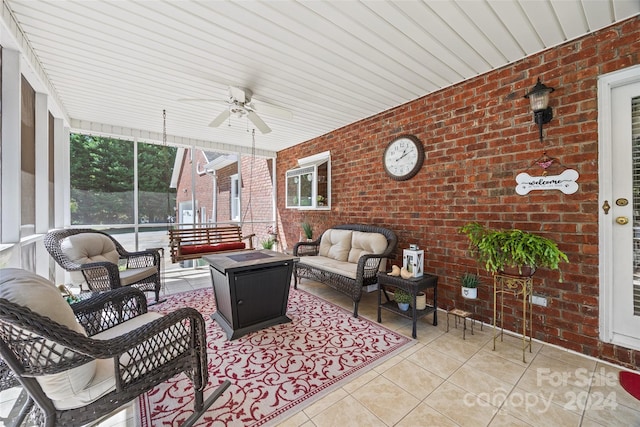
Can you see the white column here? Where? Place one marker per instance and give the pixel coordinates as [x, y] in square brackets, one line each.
[66, 182]
[11, 157]
[59, 173]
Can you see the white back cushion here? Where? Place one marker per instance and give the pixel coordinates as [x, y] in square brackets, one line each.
[84, 248]
[366, 243]
[335, 244]
[43, 297]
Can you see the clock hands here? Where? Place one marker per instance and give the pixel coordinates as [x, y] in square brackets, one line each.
[404, 153]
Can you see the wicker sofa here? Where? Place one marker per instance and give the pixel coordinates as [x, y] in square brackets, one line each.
[345, 257]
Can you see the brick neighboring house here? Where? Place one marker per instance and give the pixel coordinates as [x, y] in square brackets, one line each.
[222, 195]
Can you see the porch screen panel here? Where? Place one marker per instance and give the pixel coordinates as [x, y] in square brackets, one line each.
[156, 200]
[28, 159]
[101, 180]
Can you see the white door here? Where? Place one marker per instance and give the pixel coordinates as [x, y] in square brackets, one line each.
[619, 129]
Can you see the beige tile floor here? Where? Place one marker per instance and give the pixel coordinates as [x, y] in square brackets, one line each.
[444, 380]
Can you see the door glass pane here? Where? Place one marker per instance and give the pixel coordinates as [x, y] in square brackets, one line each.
[293, 190]
[306, 189]
[635, 136]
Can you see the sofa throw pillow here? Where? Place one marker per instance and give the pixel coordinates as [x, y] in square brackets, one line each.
[43, 297]
[335, 244]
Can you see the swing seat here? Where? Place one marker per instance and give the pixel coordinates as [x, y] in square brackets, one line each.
[196, 242]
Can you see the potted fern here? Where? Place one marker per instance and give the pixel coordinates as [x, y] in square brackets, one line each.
[469, 282]
[512, 251]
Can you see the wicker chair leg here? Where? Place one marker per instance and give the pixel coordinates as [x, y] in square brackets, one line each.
[24, 411]
[158, 300]
[355, 309]
[198, 412]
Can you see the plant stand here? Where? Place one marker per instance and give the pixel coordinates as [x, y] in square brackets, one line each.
[461, 315]
[516, 286]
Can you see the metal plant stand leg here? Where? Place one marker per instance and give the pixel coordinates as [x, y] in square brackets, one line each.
[516, 286]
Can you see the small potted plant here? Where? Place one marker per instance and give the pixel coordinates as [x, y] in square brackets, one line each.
[469, 282]
[512, 251]
[402, 298]
[267, 243]
[307, 230]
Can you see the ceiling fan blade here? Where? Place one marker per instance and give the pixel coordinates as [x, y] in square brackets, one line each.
[257, 121]
[220, 119]
[272, 110]
[215, 101]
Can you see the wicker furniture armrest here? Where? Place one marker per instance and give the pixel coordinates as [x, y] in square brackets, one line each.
[108, 309]
[145, 258]
[302, 248]
[101, 276]
[155, 344]
[369, 265]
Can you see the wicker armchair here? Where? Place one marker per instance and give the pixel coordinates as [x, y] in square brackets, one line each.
[81, 362]
[92, 257]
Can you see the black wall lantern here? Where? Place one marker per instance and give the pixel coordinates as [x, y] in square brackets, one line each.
[539, 97]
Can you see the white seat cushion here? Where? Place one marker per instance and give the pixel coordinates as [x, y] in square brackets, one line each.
[134, 275]
[104, 380]
[331, 265]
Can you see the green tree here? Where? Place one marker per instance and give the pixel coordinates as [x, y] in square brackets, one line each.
[102, 180]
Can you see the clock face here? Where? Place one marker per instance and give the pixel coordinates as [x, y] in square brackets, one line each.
[403, 157]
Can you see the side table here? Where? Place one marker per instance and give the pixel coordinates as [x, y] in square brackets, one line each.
[413, 286]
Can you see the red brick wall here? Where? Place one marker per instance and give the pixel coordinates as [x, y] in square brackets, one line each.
[478, 135]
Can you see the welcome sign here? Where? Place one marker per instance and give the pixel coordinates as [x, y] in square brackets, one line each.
[565, 182]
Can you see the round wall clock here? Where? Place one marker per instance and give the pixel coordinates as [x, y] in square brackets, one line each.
[403, 157]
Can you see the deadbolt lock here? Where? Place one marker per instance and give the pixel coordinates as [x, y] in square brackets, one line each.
[622, 220]
[622, 202]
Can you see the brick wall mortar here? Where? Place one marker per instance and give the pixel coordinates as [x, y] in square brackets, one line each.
[478, 135]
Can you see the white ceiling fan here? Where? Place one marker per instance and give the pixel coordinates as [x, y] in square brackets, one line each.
[241, 103]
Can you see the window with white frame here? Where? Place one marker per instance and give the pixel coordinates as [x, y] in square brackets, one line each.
[309, 186]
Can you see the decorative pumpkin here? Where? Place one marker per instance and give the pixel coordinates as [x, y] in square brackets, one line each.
[395, 270]
[405, 274]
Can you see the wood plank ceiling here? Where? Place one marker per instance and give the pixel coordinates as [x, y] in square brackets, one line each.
[114, 64]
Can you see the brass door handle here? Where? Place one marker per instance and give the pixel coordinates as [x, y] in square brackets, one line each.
[622, 220]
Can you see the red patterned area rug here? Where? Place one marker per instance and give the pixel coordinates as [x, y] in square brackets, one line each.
[276, 371]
